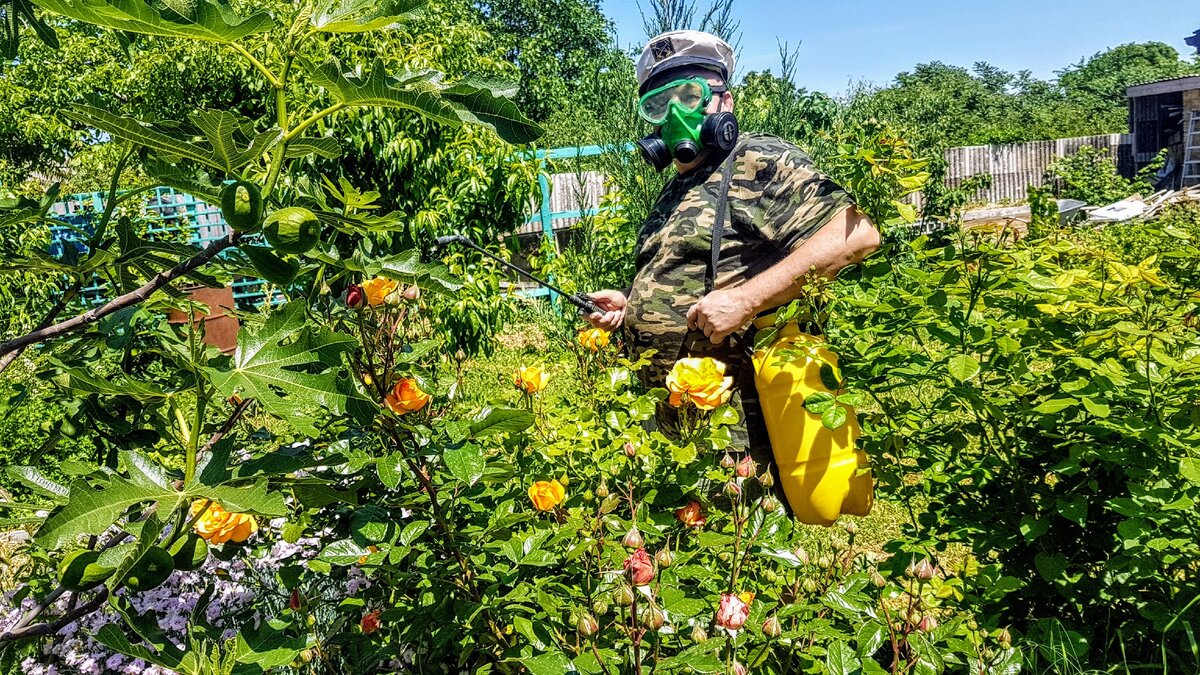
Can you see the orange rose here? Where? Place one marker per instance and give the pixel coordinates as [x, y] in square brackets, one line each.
[594, 339]
[370, 622]
[218, 526]
[378, 289]
[691, 515]
[700, 381]
[531, 379]
[406, 397]
[546, 495]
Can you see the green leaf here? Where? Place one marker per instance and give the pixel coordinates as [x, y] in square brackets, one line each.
[267, 647]
[829, 378]
[207, 20]
[242, 498]
[372, 524]
[34, 480]
[552, 663]
[412, 531]
[285, 365]
[820, 402]
[1189, 468]
[486, 103]
[223, 129]
[841, 660]
[1052, 406]
[870, 636]
[145, 472]
[389, 469]
[91, 510]
[115, 639]
[322, 146]
[502, 421]
[343, 552]
[357, 16]
[835, 417]
[82, 382]
[270, 266]
[963, 367]
[126, 128]
[1095, 407]
[1050, 566]
[465, 463]
[684, 454]
[1074, 508]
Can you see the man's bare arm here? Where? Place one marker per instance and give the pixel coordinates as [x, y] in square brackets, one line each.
[844, 240]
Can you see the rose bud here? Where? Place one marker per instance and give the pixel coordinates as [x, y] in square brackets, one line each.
[354, 296]
[877, 580]
[825, 560]
[851, 528]
[733, 610]
[460, 356]
[412, 293]
[630, 451]
[563, 480]
[587, 625]
[732, 490]
[809, 585]
[927, 624]
[698, 633]
[652, 618]
[801, 555]
[768, 504]
[1004, 638]
[370, 622]
[640, 568]
[602, 490]
[766, 478]
[691, 515]
[295, 602]
[623, 595]
[600, 607]
[727, 462]
[972, 625]
[663, 557]
[771, 627]
[633, 538]
[746, 467]
[738, 669]
[924, 570]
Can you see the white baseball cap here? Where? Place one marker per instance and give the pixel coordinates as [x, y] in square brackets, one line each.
[683, 48]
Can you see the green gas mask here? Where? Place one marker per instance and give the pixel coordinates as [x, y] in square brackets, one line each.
[684, 128]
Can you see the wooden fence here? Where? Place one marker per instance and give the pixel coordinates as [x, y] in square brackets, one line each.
[1015, 167]
[572, 195]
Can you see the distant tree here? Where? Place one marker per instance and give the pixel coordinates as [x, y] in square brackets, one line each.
[663, 16]
[1099, 83]
[775, 105]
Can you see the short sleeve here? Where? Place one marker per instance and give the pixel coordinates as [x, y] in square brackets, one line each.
[789, 200]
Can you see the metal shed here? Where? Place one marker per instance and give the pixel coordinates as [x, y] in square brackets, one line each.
[1166, 114]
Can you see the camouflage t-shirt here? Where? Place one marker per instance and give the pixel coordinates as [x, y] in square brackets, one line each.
[777, 200]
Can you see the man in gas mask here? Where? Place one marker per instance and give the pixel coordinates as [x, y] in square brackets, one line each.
[781, 218]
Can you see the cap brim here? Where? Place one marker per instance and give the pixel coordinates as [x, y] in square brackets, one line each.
[662, 73]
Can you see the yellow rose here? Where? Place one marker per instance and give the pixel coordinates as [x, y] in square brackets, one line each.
[531, 379]
[546, 495]
[594, 338]
[378, 289]
[406, 397]
[218, 526]
[701, 381]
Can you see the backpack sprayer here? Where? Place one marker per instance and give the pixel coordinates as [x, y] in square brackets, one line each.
[583, 302]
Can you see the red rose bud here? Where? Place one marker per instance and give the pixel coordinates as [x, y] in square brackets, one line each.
[728, 462]
[771, 627]
[924, 570]
[370, 622]
[412, 293]
[652, 618]
[633, 538]
[587, 625]
[733, 490]
[294, 602]
[354, 296]
[640, 568]
[745, 468]
[630, 451]
[663, 557]
[927, 624]
[738, 669]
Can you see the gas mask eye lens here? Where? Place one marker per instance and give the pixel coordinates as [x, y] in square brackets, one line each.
[689, 95]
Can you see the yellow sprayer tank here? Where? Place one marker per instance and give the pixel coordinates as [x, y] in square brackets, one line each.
[819, 469]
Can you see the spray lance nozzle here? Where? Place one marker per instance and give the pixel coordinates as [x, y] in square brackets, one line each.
[583, 302]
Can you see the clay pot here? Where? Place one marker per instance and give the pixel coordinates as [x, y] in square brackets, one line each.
[220, 325]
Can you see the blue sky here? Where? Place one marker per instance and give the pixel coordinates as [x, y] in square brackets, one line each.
[872, 40]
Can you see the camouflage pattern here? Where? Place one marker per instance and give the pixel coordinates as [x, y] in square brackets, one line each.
[777, 200]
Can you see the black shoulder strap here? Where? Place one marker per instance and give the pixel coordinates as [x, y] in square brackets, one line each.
[718, 228]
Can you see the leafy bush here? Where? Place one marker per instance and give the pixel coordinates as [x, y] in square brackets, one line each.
[1091, 175]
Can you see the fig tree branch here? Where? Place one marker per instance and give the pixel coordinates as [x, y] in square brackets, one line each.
[134, 297]
[46, 321]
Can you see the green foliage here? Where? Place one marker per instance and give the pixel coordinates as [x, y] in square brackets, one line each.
[1091, 175]
[1098, 83]
[598, 253]
[1062, 457]
[879, 169]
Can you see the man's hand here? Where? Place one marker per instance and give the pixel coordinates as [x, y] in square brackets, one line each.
[721, 313]
[613, 303]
